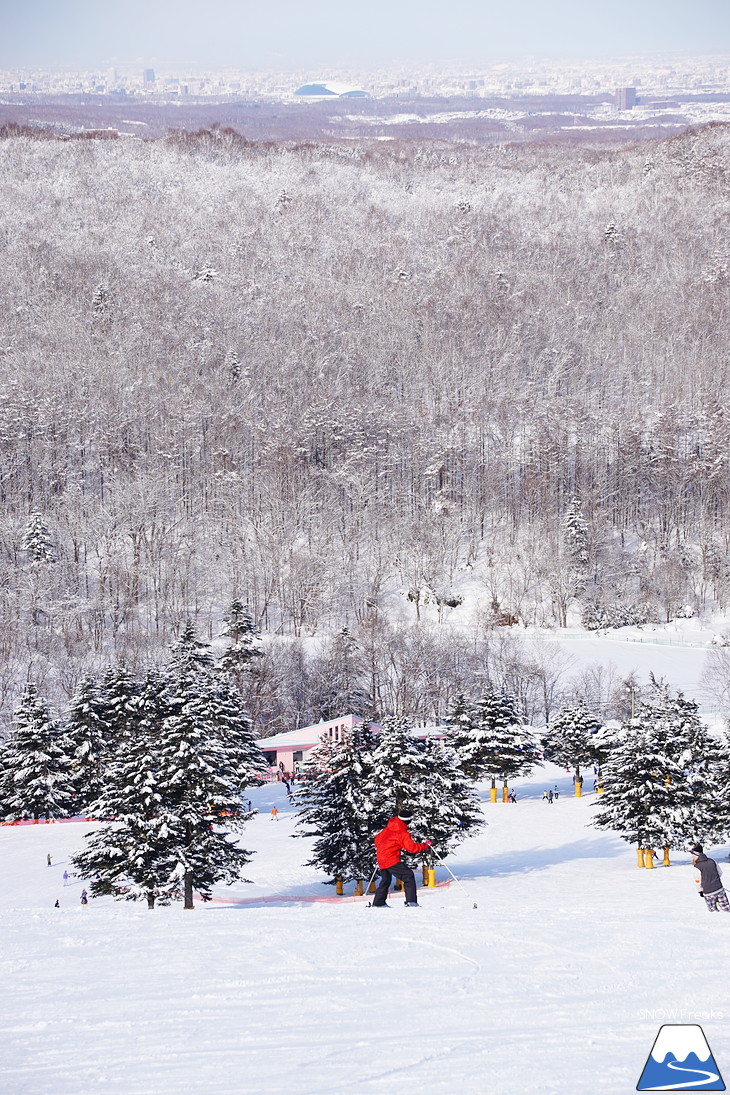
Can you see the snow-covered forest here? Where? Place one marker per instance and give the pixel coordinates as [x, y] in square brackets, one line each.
[344, 383]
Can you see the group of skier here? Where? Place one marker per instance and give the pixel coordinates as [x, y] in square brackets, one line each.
[395, 838]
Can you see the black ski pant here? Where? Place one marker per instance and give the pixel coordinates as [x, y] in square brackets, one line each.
[407, 877]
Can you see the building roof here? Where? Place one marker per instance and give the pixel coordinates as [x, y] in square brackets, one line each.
[330, 90]
[308, 735]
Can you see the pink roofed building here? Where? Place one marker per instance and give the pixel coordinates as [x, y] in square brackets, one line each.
[290, 750]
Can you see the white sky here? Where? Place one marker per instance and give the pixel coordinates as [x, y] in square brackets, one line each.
[283, 34]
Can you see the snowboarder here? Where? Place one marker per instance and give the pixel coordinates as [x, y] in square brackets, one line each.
[84, 897]
[57, 905]
[274, 813]
[389, 843]
[708, 880]
[512, 796]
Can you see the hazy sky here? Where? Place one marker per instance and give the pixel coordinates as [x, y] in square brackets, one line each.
[331, 33]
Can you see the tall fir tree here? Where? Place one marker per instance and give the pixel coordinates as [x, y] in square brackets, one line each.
[572, 737]
[201, 783]
[118, 706]
[89, 738]
[490, 738]
[445, 805]
[716, 793]
[37, 541]
[397, 764]
[176, 788]
[131, 856]
[336, 808]
[37, 762]
[188, 651]
[245, 646]
[234, 728]
[700, 812]
[575, 533]
[645, 793]
[341, 675]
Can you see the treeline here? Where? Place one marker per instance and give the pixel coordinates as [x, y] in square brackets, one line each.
[350, 384]
[163, 762]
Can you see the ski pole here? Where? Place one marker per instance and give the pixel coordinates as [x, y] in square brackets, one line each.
[372, 876]
[456, 880]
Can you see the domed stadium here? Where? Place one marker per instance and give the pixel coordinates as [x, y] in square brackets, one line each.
[330, 90]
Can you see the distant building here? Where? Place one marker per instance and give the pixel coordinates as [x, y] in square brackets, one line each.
[149, 76]
[290, 750]
[330, 91]
[292, 747]
[625, 98]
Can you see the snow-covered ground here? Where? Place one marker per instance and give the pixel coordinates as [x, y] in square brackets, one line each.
[550, 971]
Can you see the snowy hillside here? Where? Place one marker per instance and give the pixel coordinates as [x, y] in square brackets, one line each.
[550, 971]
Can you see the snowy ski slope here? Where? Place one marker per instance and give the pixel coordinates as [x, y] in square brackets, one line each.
[557, 982]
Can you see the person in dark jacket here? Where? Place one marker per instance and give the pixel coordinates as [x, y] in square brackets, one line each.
[389, 843]
[710, 884]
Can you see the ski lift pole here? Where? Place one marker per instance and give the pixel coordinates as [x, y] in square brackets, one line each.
[456, 880]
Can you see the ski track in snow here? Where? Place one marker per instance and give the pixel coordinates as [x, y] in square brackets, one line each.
[543, 988]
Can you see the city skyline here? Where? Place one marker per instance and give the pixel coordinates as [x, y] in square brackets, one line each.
[288, 35]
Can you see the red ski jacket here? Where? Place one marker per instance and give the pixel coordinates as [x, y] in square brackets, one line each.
[392, 840]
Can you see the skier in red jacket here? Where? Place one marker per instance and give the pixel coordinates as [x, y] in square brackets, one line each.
[389, 843]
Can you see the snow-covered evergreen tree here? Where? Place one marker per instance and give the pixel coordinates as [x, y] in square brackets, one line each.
[175, 788]
[89, 738]
[188, 651]
[37, 541]
[234, 728]
[490, 738]
[336, 808]
[645, 792]
[458, 731]
[132, 855]
[575, 533]
[118, 706]
[701, 813]
[397, 766]
[38, 768]
[201, 783]
[445, 806]
[245, 641]
[714, 825]
[572, 737]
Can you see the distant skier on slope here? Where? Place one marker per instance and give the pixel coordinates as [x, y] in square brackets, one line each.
[389, 843]
[709, 883]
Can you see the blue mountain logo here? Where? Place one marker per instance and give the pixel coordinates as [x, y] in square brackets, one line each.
[680, 1060]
